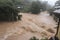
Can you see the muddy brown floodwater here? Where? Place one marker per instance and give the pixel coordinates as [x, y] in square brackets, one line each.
[41, 25]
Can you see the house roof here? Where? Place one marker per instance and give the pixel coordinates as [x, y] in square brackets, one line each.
[57, 7]
[57, 11]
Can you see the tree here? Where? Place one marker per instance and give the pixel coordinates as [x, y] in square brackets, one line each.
[8, 11]
[45, 6]
[35, 7]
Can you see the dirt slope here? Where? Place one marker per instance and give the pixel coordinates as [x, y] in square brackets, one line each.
[41, 25]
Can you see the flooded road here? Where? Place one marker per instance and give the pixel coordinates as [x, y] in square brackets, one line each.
[41, 25]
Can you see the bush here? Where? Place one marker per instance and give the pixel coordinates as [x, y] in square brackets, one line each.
[35, 8]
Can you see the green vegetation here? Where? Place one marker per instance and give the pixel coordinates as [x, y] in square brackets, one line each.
[8, 11]
[35, 7]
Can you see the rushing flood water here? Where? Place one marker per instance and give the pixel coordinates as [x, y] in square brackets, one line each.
[30, 25]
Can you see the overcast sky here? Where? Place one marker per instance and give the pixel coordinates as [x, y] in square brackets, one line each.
[51, 2]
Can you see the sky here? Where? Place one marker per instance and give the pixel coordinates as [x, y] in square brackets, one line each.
[51, 2]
